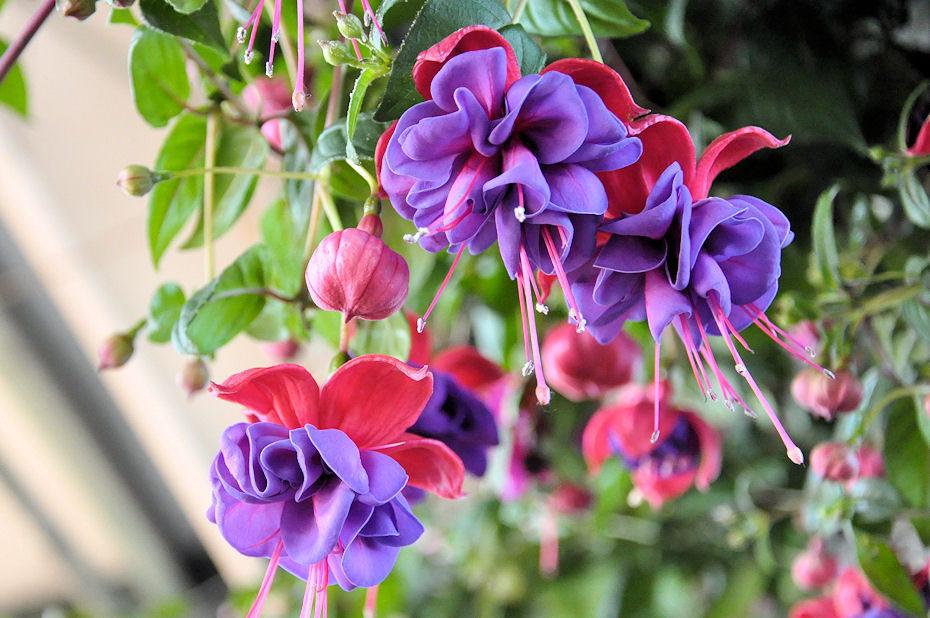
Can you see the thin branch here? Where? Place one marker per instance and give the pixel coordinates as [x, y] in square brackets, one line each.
[16, 49]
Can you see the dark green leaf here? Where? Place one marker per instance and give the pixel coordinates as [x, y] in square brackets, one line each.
[236, 146]
[921, 524]
[186, 7]
[222, 309]
[885, 572]
[435, 21]
[392, 14]
[914, 199]
[121, 16]
[531, 57]
[608, 18]
[284, 230]
[326, 325]
[13, 88]
[202, 26]
[907, 457]
[824, 238]
[331, 145]
[159, 76]
[173, 201]
[356, 98]
[917, 316]
[390, 336]
[164, 311]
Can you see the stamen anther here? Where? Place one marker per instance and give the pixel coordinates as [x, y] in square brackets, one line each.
[740, 369]
[655, 437]
[276, 35]
[582, 324]
[543, 395]
[248, 56]
[520, 213]
[528, 369]
[750, 412]
[829, 374]
[241, 34]
[421, 324]
[541, 308]
[269, 69]
[810, 351]
[795, 455]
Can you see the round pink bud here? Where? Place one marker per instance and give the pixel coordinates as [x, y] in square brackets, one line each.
[355, 273]
[805, 333]
[371, 223]
[825, 396]
[834, 461]
[280, 351]
[115, 351]
[581, 368]
[871, 463]
[813, 568]
[193, 376]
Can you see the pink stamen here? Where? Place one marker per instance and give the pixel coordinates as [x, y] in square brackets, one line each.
[528, 366]
[266, 581]
[322, 591]
[726, 320]
[794, 453]
[310, 591]
[563, 279]
[771, 330]
[540, 306]
[253, 21]
[543, 394]
[711, 361]
[299, 98]
[368, 11]
[685, 335]
[358, 52]
[421, 323]
[655, 397]
[275, 33]
[371, 602]
[265, 540]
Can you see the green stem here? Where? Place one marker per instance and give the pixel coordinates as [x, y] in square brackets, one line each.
[329, 206]
[364, 173]
[168, 175]
[210, 159]
[132, 332]
[313, 225]
[586, 29]
[344, 336]
[898, 393]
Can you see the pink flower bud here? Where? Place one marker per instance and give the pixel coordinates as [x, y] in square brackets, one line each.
[854, 595]
[834, 461]
[570, 498]
[193, 376]
[115, 351]
[871, 463]
[280, 351]
[805, 333]
[824, 396]
[814, 567]
[581, 368]
[820, 607]
[355, 273]
[371, 223]
[269, 96]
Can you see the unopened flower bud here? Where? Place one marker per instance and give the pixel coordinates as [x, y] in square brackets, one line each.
[570, 498]
[137, 180]
[355, 273]
[371, 223]
[336, 53]
[78, 9]
[193, 376]
[280, 351]
[581, 368]
[871, 462]
[814, 567]
[834, 461]
[349, 25]
[824, 396]
[114, 351]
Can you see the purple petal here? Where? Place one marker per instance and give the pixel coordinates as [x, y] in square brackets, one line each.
[774, 215]
[341, 456]
[606, 146]
[666, 199]
[631, 254]
[409, 528]
[250, 528]
[707, 277]
[483, 72]
[367, 562]
[575, 189]
[520, 172]
[663, 303]
[386, 478]
[311, 528]
[380, 524]
[508, 240]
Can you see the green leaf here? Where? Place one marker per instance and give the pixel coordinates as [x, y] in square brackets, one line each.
[222, 309]
[13, 88]
[201, 26]
[122, 16]
[173, 201]
[886, 573]
[326, 325]
[435, 21]
[186, 6]
[745, 582]
[907, 457]
[164, 311]
[331, 145]
[531, 57]
[608, 18]
[390, 336]
[159, 76]
[356, 97]
[914, 199]
[274, 322]
[284, 230]
[826, 255]
[917, 316]
[236, 146]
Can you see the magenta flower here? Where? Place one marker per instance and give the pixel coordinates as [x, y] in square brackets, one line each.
[492, 156]
[827, 396]
[314, 481]
[582, 368]
[814, 567]
[687, 454]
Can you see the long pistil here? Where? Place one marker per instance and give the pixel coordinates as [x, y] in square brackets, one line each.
[421, 323]
[259, 603]
[543, 394]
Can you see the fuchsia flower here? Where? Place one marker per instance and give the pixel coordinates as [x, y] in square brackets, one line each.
[826, 396]
[492, 156]
[581, 368]
[352, 271]
[688, 453]
[814, 567]
[671, 255]
[269, 96]
[852, 597]
[314, 480]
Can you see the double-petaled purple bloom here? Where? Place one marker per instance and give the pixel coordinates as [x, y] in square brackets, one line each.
[491, 156]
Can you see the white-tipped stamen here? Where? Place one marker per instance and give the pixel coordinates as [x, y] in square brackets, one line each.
[421, 324]
[582, 324]
[829, 374]
[541, 308]
[810, 351]
[276, 35]
[520, 213]
[269, 69]
[795, 455]
[527, 370]
[248, 56]
[298, 100]
[729, 405]
[542, 389]
[750, 412]
[740, 369]
[655, 437]
[241, 33]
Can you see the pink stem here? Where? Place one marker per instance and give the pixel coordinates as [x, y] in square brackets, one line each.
[421, 323]
[299, 97]
[266, 581]
[528, 367]
[543, 394]
[14, 51]
[655, 396]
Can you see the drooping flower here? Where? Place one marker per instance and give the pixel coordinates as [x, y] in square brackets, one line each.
[814, 567]
[688, 452]
[492, 156]
[854, 597]
[313, 481]
[671, 255]
[354, 272]
[582, 368]
[826, 396]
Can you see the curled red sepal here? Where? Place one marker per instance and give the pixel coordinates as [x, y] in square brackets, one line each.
[430, 464]
[728, 150]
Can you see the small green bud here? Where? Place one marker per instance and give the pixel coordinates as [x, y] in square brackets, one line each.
[78, 9]
[349, 25]
[115, 351]
[137, 180]
[340, 359]
[337, 53]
